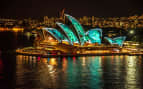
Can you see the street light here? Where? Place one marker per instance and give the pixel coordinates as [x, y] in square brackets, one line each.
[131, 32]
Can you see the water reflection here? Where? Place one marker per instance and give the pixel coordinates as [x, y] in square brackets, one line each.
[1, 68]
[132, 69]
[94, 72]
[7, 71]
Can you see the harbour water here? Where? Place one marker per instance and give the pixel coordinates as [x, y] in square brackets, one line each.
[87, 72]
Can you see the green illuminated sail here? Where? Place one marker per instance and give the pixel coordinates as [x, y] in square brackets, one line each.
[79, 29]
[95, 35]
[118, 40]
[55, 33]
[70, 35]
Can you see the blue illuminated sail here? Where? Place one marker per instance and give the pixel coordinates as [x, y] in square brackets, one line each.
[78, 29]
[95, 35]
[55, 33]
[118, 40]
[70, 35]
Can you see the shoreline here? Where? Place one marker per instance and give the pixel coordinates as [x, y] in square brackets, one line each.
[67, 55]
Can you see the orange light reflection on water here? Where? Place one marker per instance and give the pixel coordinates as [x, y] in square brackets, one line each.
[64, 64]
[53, 62]
[83, 61]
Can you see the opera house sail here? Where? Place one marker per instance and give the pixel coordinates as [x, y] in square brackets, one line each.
[117, 40]
[94, 35]
[69, 34]
[55, 33]
[78, 29]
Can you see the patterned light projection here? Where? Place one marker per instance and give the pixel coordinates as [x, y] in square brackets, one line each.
[95, 35]
[118, 40]
[70, 35]
[78, 35]
[55, 33]
[78, 29]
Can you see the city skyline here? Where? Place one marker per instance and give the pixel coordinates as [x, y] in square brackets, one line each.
[103, 8]
[117, 22]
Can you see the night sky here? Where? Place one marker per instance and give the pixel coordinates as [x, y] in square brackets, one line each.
[77, 8]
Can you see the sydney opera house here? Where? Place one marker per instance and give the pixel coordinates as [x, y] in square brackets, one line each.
[78, 35]
[72, 38]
